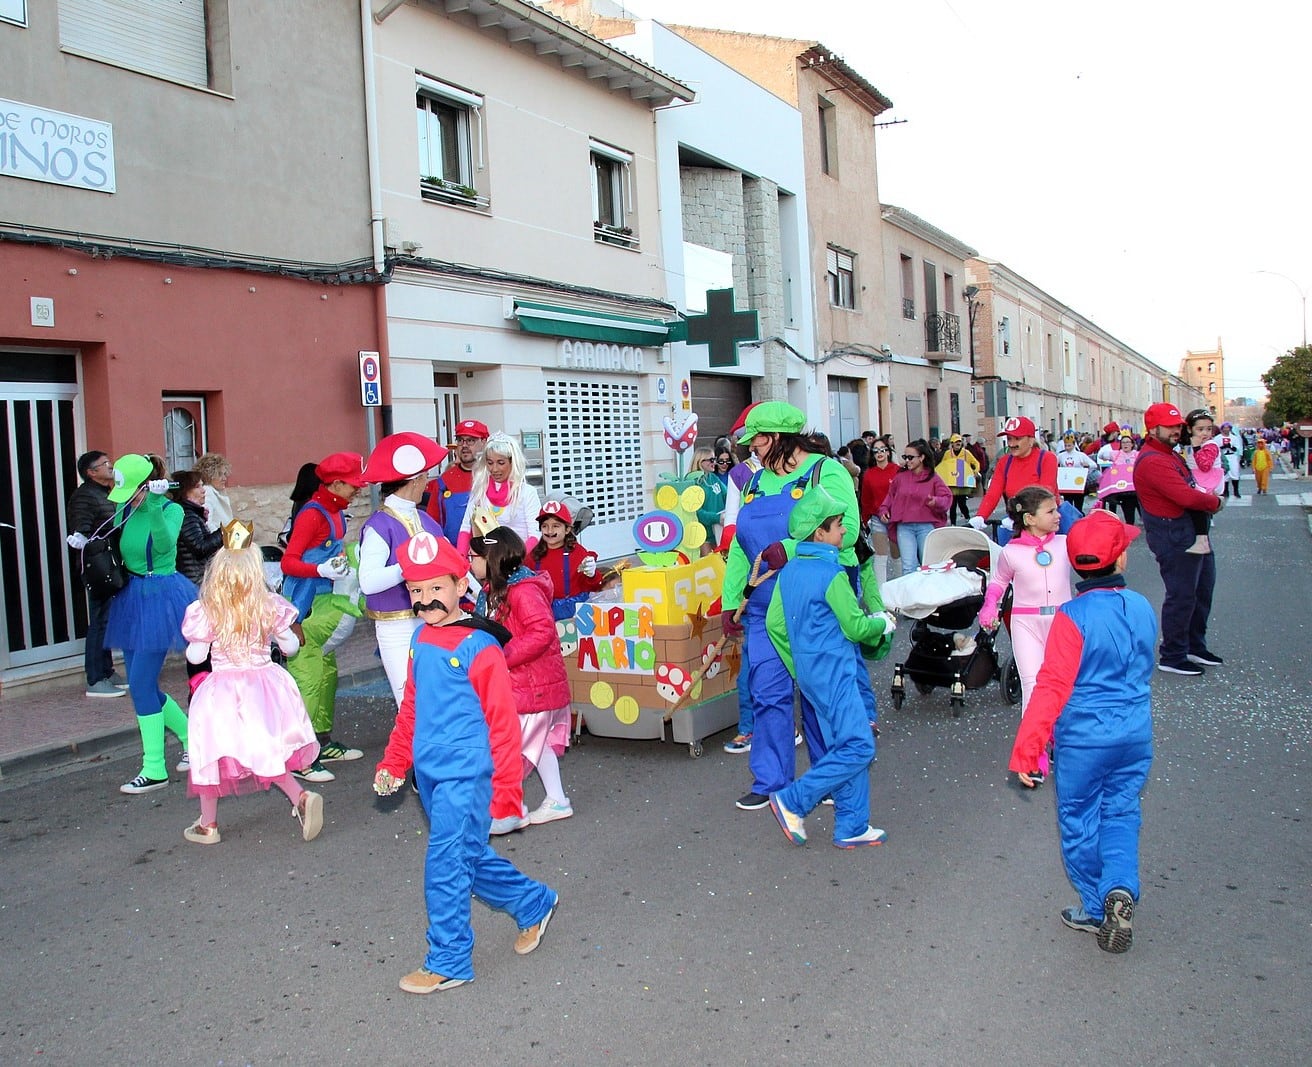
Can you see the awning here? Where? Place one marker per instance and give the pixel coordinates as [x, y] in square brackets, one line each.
[558, 321]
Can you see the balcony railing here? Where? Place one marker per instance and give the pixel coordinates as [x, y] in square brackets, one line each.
[942, 335]
[908, 308]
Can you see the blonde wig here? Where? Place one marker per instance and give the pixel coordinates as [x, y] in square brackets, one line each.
[499, 444]
[237, 600]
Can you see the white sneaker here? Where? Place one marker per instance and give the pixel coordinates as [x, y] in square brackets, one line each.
[507, 824]
[550, 811]
[184, 764]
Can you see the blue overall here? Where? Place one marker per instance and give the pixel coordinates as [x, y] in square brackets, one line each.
[829, 677]
[763, 520]
[302, 591]
[453, 510]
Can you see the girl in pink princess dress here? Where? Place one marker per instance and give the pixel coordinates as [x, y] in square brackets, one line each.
[1035, 564]
[249, 728]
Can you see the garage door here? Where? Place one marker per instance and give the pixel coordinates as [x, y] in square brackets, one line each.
[718, 399]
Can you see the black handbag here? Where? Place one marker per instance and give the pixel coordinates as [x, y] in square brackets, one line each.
[103, 572]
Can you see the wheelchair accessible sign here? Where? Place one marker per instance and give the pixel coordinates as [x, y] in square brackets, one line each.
[371, 389]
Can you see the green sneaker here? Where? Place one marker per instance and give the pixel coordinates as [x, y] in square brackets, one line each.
[315, 772]
[331, 751]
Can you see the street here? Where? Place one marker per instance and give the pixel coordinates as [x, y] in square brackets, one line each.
[693, 933]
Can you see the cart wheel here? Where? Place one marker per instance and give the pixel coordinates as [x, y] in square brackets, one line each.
[924, 688]
[1011, 690]
[957, 705]
[898, 697]
[695, 750]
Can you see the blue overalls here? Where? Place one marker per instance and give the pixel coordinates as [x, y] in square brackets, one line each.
[763, 520]
[302, 591]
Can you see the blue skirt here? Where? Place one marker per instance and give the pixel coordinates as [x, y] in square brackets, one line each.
[146, 616]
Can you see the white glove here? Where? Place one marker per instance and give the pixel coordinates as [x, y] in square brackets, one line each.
[890, 620]
[334, 568]
[588, 567]
[288, 643]
[77, 541]
[197, 652]
[158, 486]
[979, 524]
[1008, 524]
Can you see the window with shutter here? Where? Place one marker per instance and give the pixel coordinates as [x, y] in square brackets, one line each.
[164, 38]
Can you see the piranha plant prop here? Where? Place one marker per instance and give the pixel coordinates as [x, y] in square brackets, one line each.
[679, 428]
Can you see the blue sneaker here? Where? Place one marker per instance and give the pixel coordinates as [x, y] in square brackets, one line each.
[740, 744]
[871, 836]
[1078, 919]
[1115, 933]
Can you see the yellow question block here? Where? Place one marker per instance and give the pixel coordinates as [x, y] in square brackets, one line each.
[676, 592]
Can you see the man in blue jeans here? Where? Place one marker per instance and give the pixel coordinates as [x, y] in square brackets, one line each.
[1167, 494]
[90, 514]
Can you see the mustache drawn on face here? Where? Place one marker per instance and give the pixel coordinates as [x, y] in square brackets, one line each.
[432, 605]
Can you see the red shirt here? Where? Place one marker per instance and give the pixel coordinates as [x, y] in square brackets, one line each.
[1011, 475]
[1161, 478]
[310, 529]
[875, 481]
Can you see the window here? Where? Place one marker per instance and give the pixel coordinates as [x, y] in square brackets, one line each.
[840, 272]
[450, 142]
[173, 39]
[184, 431]
[594, 445]
[828, 138]
[612, 194]
[1047, 350]
[1211, 387]
[1004, 334]
[1211, 368]
[14, 11]
[1066, 356]
[908, 288]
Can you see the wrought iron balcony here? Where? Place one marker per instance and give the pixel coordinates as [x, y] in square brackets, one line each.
[942, 336]
[908, 308]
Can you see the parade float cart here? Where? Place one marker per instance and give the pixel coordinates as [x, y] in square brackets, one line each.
[653, 663]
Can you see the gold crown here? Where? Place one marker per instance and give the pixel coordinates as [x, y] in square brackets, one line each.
[237, 535]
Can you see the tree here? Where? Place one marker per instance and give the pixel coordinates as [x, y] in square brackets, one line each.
[1289, 387]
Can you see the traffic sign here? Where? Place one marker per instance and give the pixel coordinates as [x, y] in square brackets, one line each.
[1304, 429]
[371, 387]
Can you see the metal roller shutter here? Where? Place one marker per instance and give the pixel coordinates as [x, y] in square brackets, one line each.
[718, 399]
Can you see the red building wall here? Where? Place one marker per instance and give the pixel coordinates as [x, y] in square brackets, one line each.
[275, 357]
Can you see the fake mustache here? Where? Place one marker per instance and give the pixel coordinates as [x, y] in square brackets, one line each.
[432, 605]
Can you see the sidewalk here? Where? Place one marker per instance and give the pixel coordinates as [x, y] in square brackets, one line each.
[49, 726]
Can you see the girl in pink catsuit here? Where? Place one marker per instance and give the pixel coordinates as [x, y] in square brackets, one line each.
[1034, 563]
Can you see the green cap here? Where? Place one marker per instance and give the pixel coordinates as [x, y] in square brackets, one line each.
[130, 472]
[815, 505]
[772, 416]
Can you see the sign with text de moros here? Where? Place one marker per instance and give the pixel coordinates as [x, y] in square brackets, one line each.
[50, 146]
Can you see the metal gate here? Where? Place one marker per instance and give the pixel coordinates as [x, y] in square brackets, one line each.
[44, 614]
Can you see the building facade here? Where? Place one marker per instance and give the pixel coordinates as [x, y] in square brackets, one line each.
[186, 246]
[1205, 371]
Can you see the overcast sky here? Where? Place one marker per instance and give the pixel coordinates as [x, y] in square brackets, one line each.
[1140, 162]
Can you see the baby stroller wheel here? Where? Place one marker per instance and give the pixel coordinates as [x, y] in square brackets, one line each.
[898, 695]
[924, 688]
[1011, 690]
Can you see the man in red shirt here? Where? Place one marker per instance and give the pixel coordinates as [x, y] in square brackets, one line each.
[1024, 464]
[1166, 493]
[448, 495]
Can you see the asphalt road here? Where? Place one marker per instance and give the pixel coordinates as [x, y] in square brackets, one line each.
[690, 932]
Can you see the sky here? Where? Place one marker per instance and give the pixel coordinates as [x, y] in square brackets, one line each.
[1141, 162]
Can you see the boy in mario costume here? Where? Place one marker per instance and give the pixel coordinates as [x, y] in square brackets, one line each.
[1093, 698]
[458, 710]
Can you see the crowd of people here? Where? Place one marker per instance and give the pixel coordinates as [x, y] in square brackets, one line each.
[463, 570]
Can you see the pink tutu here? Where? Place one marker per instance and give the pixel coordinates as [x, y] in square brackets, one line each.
[540, 729]
[247, 723]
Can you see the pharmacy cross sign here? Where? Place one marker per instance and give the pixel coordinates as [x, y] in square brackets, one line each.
[721, 328]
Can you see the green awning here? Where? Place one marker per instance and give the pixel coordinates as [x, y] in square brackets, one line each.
[557, 321]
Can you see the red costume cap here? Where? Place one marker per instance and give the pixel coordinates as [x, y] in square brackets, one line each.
[1098, 539]
[401, 456]
[342, 467]
[1017, 426]
[555, 509]
[1162, 415]
[425, 557]
[472, 428]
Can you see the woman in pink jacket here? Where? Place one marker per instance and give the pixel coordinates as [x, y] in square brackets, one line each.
[917, 502]
[520, 600]
[1035, 565]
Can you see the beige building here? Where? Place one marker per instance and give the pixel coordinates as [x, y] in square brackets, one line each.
[928, 330]
[853, 377]
[1205, 371]
[1038, 357]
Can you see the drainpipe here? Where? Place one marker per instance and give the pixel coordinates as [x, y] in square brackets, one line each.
[376, 213]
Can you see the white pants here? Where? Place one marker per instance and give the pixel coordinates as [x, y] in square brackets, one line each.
[393, 637]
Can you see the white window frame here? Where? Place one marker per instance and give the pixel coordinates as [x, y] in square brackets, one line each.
[840, 267]
[467, 108]
[618, 165]
[162, 38]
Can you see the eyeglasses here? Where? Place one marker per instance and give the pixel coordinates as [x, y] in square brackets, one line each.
[99, 466]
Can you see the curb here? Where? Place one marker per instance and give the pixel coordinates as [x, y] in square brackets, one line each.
[65, 756]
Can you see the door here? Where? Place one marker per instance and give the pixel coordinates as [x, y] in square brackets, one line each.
[44, 614]
[915, 419]
[718, 400]
[446, 404]
[844, 411]
[184, 432]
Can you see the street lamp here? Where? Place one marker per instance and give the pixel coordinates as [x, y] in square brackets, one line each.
[1302, 295]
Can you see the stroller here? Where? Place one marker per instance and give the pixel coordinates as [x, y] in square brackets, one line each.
[945, 598]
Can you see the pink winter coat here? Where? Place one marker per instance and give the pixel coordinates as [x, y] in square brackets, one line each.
[537, 668]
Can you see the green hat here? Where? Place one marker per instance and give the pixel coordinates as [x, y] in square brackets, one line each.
[772, 416]
[130, 472]
[815, 505]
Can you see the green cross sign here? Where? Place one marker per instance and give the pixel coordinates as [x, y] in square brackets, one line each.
[721, 328]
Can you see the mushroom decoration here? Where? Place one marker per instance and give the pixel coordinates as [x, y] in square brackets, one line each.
[672, 681]
[711, 660]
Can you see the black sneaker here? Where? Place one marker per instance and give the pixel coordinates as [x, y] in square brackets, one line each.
[1181, 667]
[1207, 659]
[1077, 919]
[1115, 934]
[752, 802]
[142, 784]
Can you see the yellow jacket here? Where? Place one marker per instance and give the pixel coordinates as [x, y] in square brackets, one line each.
[960, 470]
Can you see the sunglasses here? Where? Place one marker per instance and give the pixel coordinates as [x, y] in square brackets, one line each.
[908, 459]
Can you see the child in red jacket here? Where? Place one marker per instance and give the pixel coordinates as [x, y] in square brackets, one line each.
[520, 600]
[571, 567]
